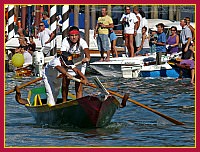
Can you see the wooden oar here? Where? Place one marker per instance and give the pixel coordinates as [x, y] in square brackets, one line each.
[33, 81]
[139, 104]
[24, 85]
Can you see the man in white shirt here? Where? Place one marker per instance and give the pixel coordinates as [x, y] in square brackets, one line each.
[129, 21]
[138, 37]
[78, 48]
[144, 21]
[53, 70]
[45, 35]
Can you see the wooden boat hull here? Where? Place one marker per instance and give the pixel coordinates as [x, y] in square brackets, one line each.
[85, 112]
[23, 72]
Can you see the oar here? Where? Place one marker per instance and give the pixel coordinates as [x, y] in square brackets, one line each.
[24, 85]
[33, 81]
[139, 104]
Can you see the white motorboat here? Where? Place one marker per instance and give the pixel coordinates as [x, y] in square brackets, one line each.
[139, 66]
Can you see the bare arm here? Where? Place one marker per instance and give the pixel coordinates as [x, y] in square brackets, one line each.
[143, 38]
[77, 71]
[87, 55]
[187, 44]
[137, 24]
[51, 38]
[95, 30]
[160, 43]
[135, 28]
[108, 26]
[63, 71]
[193, 31]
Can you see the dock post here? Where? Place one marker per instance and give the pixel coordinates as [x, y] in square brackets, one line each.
[87, 23]
[65, 20]
[37, 18]
[11, 31]
[93, 14]
[76, 15]
[24, 16]
[53, 28]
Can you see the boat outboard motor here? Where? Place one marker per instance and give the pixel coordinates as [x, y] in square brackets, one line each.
[38, 62]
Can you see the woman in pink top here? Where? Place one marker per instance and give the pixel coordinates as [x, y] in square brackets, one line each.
[173, 41]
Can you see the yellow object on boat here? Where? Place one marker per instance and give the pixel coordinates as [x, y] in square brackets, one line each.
[37, 100]
[18, 60]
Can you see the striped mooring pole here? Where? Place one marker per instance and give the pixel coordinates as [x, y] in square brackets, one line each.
[29, 20]
[11, 31]
[65, 20]
[53, 28]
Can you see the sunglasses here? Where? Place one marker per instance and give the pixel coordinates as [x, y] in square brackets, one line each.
[41, 25]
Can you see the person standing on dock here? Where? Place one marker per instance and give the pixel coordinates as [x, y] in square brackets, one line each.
[138, 37]
[160, 43]
[78, 48]
[113, 41]
[45, 19]
[103, 24]
[186, 38]
[129, 21]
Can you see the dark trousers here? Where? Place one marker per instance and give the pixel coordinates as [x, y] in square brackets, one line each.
[158, 57]
[186, 55]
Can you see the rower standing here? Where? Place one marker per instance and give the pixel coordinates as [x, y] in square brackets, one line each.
[52, 72]
[78, 48]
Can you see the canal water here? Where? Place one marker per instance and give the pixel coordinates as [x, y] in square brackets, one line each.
[131, 126]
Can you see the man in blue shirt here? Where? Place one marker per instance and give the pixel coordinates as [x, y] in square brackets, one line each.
[160, 43]
[45, 19]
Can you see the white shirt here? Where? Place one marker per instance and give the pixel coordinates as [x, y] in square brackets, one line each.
[27, 58]
[146, 24]
[51, 82]
[75, 49]
[50, 71]
[44, 36]
[140, 26]
[131, 19]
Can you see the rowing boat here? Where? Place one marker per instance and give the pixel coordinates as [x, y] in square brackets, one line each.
[88, 111]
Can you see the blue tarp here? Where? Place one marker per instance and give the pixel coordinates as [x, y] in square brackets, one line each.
[81, 20]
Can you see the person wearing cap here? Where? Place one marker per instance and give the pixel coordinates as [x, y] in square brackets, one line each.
[52, 72]
[78, 48]
[45, 19]
[160, 43]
